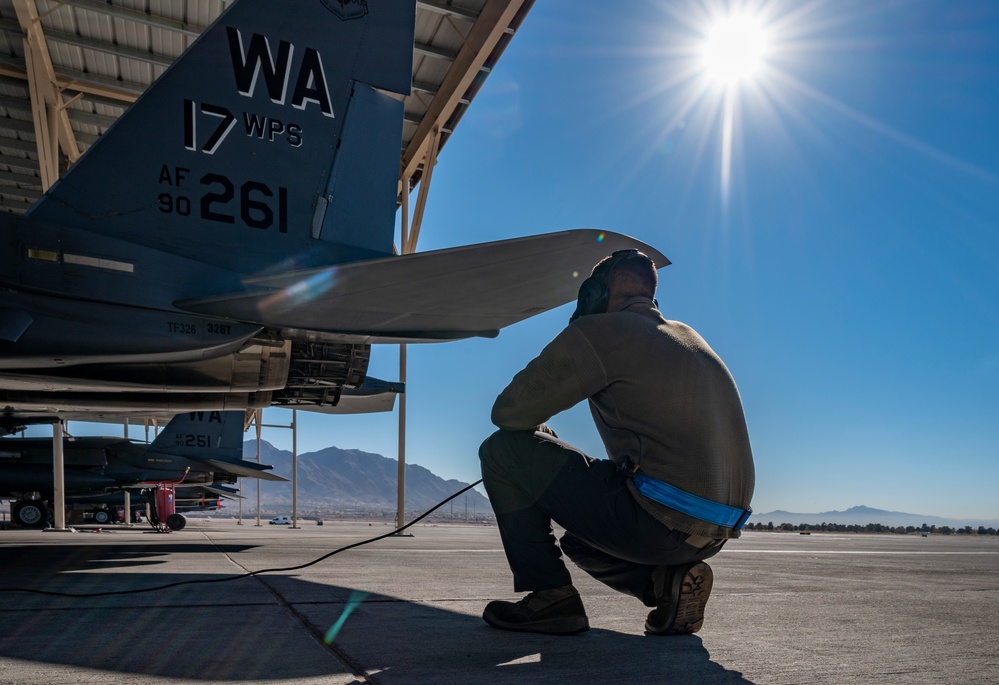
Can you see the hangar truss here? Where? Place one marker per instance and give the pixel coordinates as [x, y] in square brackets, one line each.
[70, 68]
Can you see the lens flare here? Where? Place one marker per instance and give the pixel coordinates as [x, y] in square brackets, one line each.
[356, 597]
[301, 293]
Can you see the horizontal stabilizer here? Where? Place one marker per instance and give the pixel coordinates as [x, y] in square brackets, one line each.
[441, 295]
[220, 489]
[245, 469]
[190, 491]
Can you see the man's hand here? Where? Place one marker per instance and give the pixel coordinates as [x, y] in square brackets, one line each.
[543, 428]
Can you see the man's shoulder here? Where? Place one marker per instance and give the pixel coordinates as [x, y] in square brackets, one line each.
[680, 328]
[641, 311]
[612, 329]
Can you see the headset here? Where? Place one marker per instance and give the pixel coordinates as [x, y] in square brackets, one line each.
[594, 292]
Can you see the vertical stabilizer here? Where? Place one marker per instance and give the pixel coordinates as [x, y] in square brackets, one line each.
[202, 435]
[228, 157]
[363, 186]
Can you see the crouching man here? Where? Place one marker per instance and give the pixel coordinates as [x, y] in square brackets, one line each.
[678, 482]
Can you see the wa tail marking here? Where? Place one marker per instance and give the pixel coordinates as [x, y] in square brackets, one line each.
[213, 416]
[248, 63]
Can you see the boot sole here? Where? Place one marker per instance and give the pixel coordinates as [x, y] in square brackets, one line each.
[692, 596]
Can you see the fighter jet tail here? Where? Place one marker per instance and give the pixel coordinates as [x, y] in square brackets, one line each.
[245, 205]
[201, 435]
[281, 123]
[212, 438]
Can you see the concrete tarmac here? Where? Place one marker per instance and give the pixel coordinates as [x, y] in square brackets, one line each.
[786, 608]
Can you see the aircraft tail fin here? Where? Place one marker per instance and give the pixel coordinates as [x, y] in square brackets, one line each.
[202, 435]
[282, 123]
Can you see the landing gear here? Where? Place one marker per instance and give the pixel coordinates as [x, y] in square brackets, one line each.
[30, 513]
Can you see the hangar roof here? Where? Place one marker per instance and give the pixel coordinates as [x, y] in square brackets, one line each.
[90, 59]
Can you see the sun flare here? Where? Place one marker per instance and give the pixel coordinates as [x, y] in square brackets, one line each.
[734, 49]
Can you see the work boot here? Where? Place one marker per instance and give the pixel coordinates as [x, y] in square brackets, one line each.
[681, 593]
[553, 612]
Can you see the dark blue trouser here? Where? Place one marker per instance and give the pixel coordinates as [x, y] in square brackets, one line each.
[533, 478]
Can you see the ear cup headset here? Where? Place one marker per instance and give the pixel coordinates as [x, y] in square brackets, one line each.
[594, 292]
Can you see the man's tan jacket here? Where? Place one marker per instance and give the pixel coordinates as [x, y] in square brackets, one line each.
[661, 399]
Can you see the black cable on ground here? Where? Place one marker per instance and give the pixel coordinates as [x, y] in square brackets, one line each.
[84, 595]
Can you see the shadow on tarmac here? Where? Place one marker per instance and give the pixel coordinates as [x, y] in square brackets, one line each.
[410, 642]
[230, 631]
[36, 566]
[271, 628]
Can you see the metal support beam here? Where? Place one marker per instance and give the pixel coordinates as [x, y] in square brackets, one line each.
[294, 468]
[48, 158]
[435, 53]
[410, 234]
[83, 43]
[104, 8]
[258, 418]
[52, 128]
[449, 10]
[59, 477]
[78, 81]
[492, 24]
[400, 500]
[294, 463]
[421, 197]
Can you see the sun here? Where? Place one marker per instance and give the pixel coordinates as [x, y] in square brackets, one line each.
[724, 60]
[734, 49]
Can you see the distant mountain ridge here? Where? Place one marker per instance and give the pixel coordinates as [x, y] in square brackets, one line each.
[862, 515]
[348, 478]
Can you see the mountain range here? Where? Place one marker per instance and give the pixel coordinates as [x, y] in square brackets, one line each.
[862, 515]
[342, 479]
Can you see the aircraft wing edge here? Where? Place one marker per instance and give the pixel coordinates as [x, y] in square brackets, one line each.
[438, 295]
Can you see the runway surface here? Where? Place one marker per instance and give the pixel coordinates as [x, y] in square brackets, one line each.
[786, 608]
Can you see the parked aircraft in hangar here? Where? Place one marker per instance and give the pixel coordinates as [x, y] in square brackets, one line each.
[201, 450]
[228, 242]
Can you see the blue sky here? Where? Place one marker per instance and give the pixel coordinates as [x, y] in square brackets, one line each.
[844, 261]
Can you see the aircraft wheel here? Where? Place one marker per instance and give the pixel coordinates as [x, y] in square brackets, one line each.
[30, 513]
[176, 521]
[102, 516]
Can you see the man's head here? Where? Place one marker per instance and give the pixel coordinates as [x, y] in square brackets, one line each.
[624, 274]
